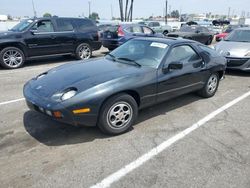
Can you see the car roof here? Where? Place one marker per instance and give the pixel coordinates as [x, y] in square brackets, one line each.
[167, 40]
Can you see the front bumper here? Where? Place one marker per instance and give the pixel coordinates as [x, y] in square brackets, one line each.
[238, 63]
[43, 106]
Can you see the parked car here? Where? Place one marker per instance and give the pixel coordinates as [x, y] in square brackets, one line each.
[226, 32]
[108, 91]
[236, 48]
[33, 38]
[197, 33]
[119, 34]
[159, 27]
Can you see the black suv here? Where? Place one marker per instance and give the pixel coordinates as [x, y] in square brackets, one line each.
[33, 38]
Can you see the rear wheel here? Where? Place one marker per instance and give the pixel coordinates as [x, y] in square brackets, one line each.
[211, 86]
[12, 58]
[118, 114]
[83, 51]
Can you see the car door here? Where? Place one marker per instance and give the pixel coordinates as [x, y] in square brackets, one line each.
[174, 82]
[65, 35]
[41, 39]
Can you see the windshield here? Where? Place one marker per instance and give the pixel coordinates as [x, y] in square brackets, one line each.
[140, 52]
[23, 25]
[188, 29]
[239, 36]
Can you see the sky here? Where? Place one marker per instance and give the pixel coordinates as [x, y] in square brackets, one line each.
[142, 8]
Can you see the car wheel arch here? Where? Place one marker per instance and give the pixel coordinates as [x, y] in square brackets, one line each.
[132, 93]
[16, 45]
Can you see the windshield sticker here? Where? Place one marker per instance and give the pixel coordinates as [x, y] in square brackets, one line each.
[30, 21]
[159, 45]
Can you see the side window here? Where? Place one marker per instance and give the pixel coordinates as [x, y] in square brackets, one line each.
[147, 30]
[183, 54]
[156, 24]
[43, 26]
[150, 24]
[134, 29]
[64, 25]
[85, 25]
[137, 29]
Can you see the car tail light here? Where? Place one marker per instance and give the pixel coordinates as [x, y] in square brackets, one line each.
[120, 32]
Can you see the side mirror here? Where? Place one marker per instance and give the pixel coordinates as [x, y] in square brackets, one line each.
[173, 66]
[33, 31]
[197, 31]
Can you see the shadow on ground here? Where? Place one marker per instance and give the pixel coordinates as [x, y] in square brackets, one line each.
[53, 133]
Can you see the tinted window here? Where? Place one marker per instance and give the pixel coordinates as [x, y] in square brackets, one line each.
[147, 30]
[64, 25]
[188, 29]
[203, 29]
[43, 26]
[183, 54]
[84, 25]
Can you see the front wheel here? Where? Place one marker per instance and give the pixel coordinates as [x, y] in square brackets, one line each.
[83, 51]
[118, 114]
[210, 40]
[12, 58]
[211, 86]
[165, 33]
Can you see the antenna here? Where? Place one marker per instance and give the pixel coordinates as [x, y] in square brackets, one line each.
[34, 10]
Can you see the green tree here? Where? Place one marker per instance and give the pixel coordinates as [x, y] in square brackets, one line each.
[94, 16]
[47, 15]
[175, 14]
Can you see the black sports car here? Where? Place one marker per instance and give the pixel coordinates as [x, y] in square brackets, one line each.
[108, 91]
[195, 32]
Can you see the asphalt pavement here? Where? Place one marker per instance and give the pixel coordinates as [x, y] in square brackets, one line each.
[36, 151]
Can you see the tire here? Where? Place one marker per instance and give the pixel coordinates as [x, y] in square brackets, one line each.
[210, 87]
[165, 33]
[12, 58]
[118, 114]
[210, 40]
[83, 51]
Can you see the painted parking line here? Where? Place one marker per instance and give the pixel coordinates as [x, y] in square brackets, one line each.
[158, 149]
[11, 101]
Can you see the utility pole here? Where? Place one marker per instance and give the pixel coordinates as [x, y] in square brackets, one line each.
[89, 8]
[166, 16]
[111, 6]
[229, 10]
[34, 10]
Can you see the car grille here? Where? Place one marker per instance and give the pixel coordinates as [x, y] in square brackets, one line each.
[236, 62]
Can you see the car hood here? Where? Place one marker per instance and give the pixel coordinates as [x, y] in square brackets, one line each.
[233, 49]
[82, 75]
[8, 34]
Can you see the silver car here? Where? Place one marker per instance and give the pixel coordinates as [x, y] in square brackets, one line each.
[236, 48]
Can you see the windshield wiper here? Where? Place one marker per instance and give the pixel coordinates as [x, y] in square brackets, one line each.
[112, 56]
[129, 60]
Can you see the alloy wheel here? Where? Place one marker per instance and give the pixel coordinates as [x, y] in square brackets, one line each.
[212, 84]
[84, 52]
[119, 115]
[12, 58]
